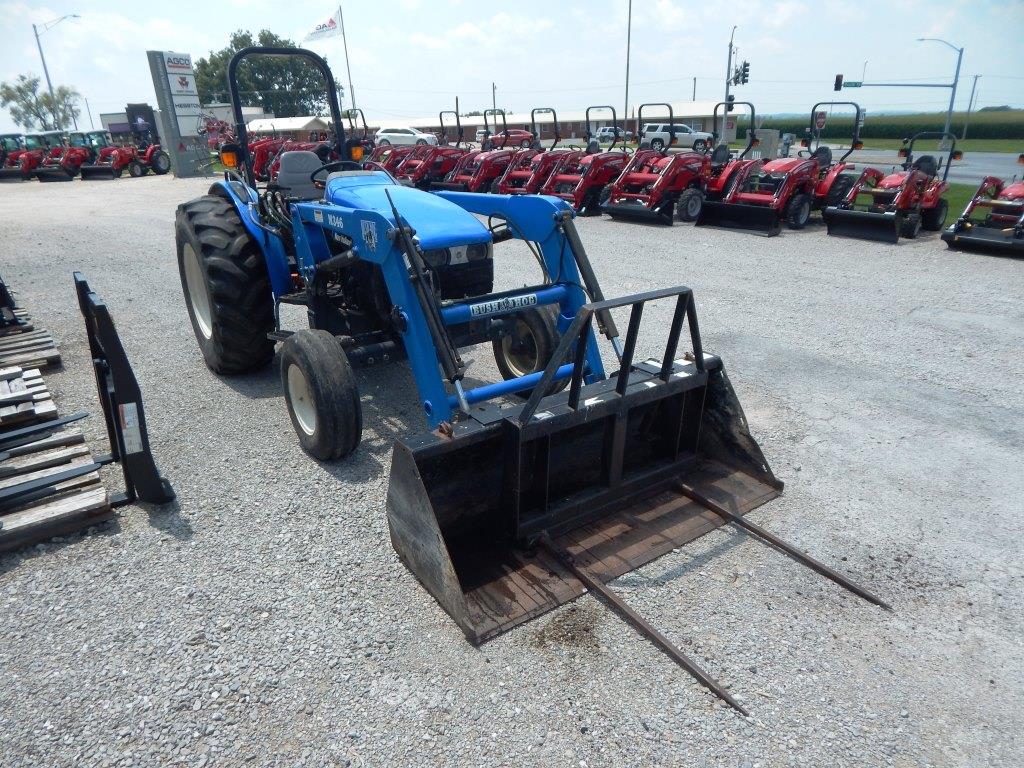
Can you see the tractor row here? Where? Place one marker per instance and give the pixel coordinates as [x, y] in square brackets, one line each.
[64, 155]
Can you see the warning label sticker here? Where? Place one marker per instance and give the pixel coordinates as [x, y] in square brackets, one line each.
[131, 430]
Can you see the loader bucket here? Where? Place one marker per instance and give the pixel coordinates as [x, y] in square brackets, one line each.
[977, 237]
[12, 174]
[752, 218]
[52, 174]
[91, 172]
[596, 470]
[866, 225]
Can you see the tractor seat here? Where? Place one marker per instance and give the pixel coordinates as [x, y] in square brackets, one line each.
[720, 156]
[823, 155]
[593, 147]
[927, 165]
[293, 175]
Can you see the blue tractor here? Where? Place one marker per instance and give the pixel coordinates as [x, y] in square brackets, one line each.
[557, 457]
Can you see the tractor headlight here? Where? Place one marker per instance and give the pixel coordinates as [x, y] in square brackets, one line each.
[479, 251]
[437, 258]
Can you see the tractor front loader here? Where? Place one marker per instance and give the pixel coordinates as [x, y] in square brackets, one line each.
[655, 182]
[1001, 229]
[508, 506]
[901, 203]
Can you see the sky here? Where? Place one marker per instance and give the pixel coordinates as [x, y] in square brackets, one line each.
[411, 58]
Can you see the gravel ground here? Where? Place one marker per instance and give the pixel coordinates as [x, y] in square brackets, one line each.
[264, 619]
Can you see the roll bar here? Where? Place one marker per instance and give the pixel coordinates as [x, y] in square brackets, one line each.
[615, 125]
[236, 102]
[753, 124]
[909, 148]
[533, 124]
[487, 130]
[856, 123]
[352, 123]
[640, 123]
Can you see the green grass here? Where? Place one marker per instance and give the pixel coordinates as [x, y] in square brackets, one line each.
[1013, 146]
[958, 195]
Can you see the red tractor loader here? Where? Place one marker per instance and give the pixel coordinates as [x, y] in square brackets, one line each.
[725, 168]
[477, 171]
[19, 164]
[429, 163]
[901, 203]
[1001, 229]
[656, 181]
[63, 161]
[9, 142]
[580, 176]
[530, 167]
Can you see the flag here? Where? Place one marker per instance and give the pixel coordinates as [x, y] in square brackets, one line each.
[328, 28]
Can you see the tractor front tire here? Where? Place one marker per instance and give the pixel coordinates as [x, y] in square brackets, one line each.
[136, 169]
[798, 210]
[933, 219]
[911, 226]
[160, 163]
[529, 347]
[689, 204]
[320, 389]
[226, 286]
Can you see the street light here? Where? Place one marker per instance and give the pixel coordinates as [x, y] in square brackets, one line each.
[46, 27]
[956, 77]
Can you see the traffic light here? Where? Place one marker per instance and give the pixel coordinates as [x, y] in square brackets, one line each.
[839, 83]
[745, 73]
[729, 100]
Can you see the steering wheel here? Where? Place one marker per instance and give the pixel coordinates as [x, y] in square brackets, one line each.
[335, 165]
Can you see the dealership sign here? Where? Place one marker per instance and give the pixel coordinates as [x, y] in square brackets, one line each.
[181, 82]
[178, 63]
[182, 85]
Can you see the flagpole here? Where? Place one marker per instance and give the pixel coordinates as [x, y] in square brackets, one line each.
[348, 69]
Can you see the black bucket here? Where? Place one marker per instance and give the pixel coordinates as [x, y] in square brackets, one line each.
[865, 225]
[758, 219]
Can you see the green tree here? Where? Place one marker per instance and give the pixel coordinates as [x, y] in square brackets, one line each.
[33, 110]
[286, 87]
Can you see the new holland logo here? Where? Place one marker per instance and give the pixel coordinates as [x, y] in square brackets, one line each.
[369, 229]
[503, 306]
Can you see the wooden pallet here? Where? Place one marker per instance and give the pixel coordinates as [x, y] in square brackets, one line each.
[72, 505]
[26, 347]
[24, 398]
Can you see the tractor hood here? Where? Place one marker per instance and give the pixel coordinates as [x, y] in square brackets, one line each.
[438, 222]
[893, 180]
[1013, 192]
[785, 164]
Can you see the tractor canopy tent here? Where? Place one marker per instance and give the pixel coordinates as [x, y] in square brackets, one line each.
[297, 125]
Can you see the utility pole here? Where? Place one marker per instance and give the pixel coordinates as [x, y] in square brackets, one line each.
[49, 85]
[88, 111]
[956, 77]
[694, 89]
[494, 97]
[728, 82]
[629, 35]
[970, 106]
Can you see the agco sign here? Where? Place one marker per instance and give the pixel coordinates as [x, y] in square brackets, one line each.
[178, 62]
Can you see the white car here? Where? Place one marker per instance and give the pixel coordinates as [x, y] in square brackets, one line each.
[404, 135]
[658, 136]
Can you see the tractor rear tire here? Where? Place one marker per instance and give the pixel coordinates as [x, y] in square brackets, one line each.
[933, 219]
[160, 163]
[320, 389]
[529, 348]
[689, 204]
[226, 286]
[136, 169]
[798, 210]
[606, 195]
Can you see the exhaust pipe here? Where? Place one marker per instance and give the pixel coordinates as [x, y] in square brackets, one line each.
[865, 225]
[758, 219]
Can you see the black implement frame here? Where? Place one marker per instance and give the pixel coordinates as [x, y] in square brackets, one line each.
[121, 401]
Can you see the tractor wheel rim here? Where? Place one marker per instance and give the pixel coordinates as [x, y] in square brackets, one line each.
[198, 295]
[301, 398]
[693, 206]
[163, 162]
[805, 212]
[519, 349]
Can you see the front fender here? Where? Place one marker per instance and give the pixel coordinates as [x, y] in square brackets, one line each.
[271, 246]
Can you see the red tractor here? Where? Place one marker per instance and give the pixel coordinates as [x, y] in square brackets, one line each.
[428, 163]
[757, 195]
[726, 169]
[19, 164]
[580, 176]
[9, 142]
[530, 167]
[656, 182]
[1002, 226]
[387, 157]
[112, 160]
[478, 171]
[901, 203]
[63, 161]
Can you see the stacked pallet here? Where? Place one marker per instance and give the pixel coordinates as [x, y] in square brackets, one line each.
[24, 346]
[43, 489]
